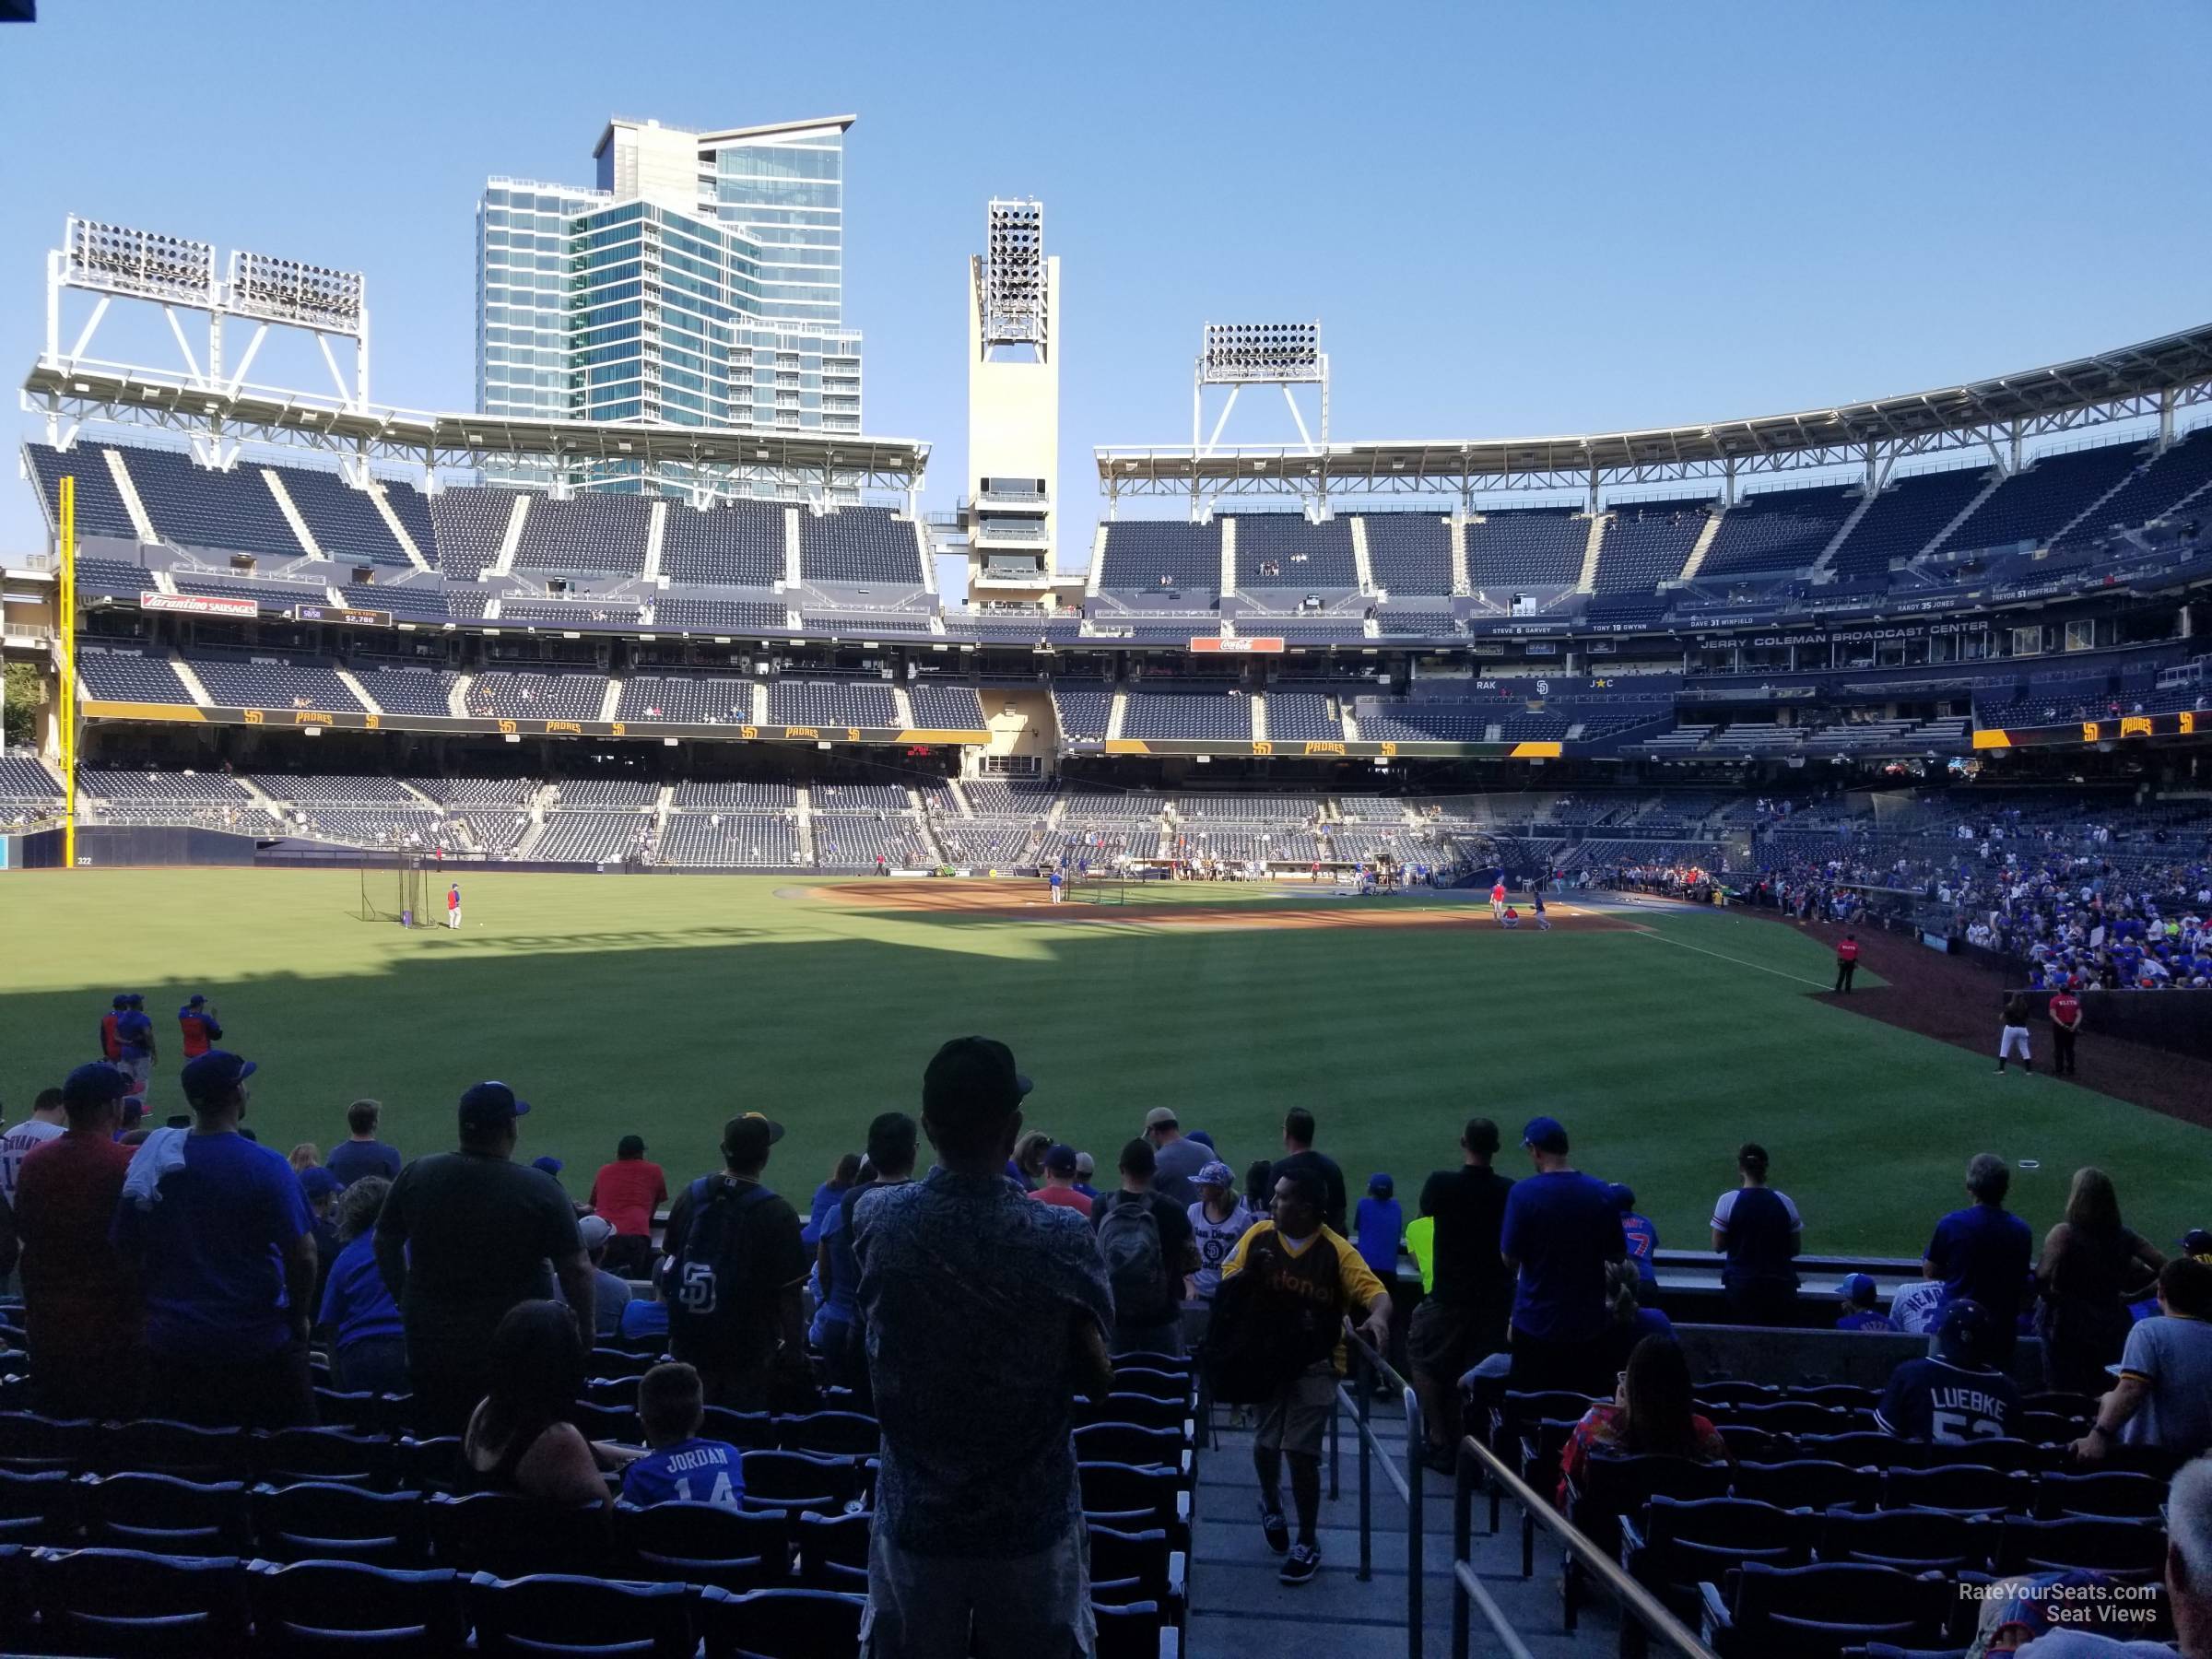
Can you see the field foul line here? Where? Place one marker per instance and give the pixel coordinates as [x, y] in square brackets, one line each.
[1651, 932]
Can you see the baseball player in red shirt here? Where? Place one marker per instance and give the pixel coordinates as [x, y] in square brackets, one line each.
[1498, 900]
[1847, 960]
[2066, 1026]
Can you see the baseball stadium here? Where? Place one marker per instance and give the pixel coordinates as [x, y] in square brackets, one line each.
[1832, 786]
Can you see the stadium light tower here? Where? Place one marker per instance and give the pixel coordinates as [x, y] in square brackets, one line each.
[1238, 354]
[1013, 406]
[117, 261]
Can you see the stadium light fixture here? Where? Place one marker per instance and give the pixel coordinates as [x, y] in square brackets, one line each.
[286, 290]
[1265, 353]
[150, 263]
[1015, 275]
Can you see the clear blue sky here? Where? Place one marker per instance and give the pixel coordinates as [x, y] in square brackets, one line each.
[1511, 220]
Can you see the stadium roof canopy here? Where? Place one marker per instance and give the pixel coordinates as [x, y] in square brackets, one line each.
[166, 401]
[2151, 379]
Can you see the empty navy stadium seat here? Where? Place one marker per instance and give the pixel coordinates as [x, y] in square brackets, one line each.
[325, 1609]
[546, 1614]
[833, 1551]
[162, 1514]
[1800, 1612]
[703, 1543]
[779, 1624]
[130, 1602]
[504, 1534]
[319, 1521]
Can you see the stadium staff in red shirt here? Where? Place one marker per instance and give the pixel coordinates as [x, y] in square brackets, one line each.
[82, 1304]
[201, 1030]
[111, 1046]
[2066, 1026]
[1847, 960]
[624, 1194]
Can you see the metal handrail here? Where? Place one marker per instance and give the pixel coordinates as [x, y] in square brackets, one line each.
[1368, 1364]
[1476, 1463]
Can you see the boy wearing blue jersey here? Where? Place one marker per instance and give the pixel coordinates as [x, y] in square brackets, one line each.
[681, 1467]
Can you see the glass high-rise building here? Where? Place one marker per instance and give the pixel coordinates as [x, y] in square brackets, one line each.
[700, 283]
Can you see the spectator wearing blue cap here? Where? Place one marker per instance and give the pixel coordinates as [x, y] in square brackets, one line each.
[1862, 1310]
[1060, 1181]
[463, 1237]
[1217, 1220]
[1560, 1229]
[84, 1313]
[224, 1242]
[1957, 1395]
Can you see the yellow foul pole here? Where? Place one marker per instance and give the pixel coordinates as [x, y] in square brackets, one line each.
[66, 627]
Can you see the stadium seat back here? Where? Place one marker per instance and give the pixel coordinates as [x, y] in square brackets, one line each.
[831, 1434]
[1808, 1483]
[833, 1551]
[1144, 1409]
[1128, 1630]
[129, 1602]
[1141, 1498]
[748, 1430]
[1155, 1384]
[795, 1481]
[184, 1450]
[2115, 1494]
[2007, 1453]
[703, 1543]
[552, 1614]
[504, 1536]
[1914, 1540]
[1519, 1413]
[1612, 1487]
[356, 1411]
[1130, 1566]
[164, 1514]
[30, 1444]
[340, 1609]
[602, 1422]
[428, 1465]
[618, 1392]
[286, 1455]
[779, 1624]
[1130, 1444]
[324, 1521]
[2132, 1550]
[1779, 1612]
[1963, 1488]
[37, 1508]
[1861, 1449]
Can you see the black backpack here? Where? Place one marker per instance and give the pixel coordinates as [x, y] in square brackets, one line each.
[710, 1297]
[1256, 1342]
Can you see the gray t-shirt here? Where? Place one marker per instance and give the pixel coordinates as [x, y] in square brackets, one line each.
[2175, 1357]
[2088, 1644]
[971, 1290]
[1178, 1163]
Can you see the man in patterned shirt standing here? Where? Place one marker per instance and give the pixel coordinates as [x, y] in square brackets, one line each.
[986, 1312]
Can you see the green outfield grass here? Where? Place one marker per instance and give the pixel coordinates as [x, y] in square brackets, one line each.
[663, 1005]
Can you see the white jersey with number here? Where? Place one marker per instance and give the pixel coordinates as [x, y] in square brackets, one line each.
[16, 1145]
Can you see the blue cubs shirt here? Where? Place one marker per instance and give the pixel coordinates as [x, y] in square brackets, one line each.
[692, 1471]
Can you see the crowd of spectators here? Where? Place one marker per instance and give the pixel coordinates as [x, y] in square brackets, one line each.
[2083, 905]
[181, 1273]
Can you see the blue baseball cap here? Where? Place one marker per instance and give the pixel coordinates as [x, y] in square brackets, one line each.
[486, 1104]
[214, 1073]
[1859, 1289]
[122, 1000]
[1380, 1183]
[91, 1085]
[1202, 1137]
[1545, 1133]
[1216, 1173]
[1964, 1330]
[548, 1163]
[318, 1183]
[1624, 1197]
[196, 999]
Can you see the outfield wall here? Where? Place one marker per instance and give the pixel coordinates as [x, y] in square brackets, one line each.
[2178, 1022]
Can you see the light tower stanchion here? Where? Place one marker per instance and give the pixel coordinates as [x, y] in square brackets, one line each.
[65, 634]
